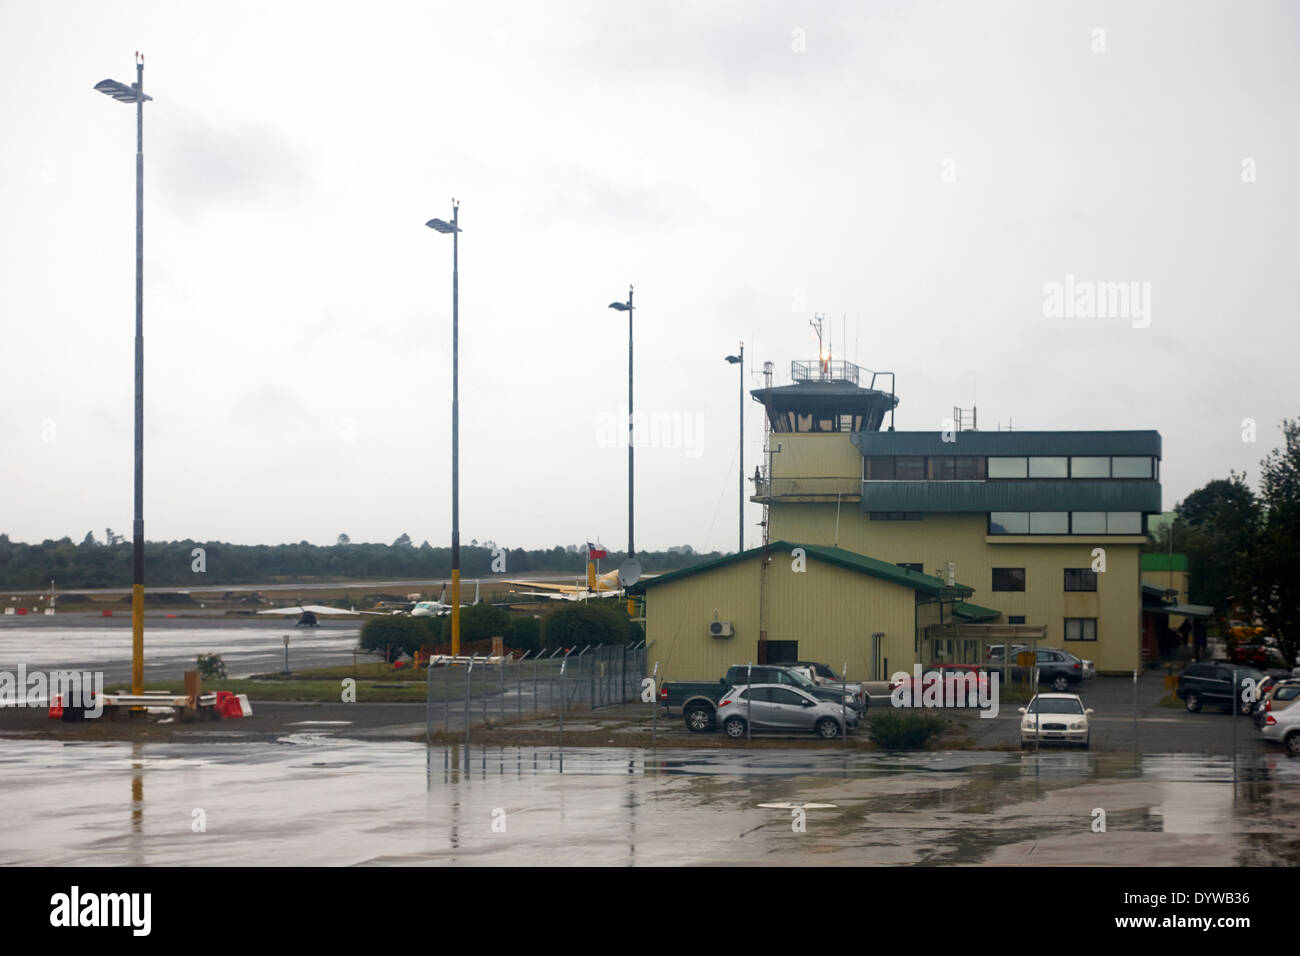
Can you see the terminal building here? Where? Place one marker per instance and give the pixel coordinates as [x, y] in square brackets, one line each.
[888, 548]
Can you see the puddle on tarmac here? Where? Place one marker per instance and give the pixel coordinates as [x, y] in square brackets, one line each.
[311, 798]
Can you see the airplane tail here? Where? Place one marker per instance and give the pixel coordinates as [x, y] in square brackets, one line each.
[443, 593]
[591, 576]
[476, 597]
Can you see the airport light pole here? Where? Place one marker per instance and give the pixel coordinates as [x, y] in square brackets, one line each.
[453, 227]
[134, 93]
[627, 307]
[739, 360]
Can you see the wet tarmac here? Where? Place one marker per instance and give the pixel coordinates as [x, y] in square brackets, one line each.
[314, 798]
[82, 642]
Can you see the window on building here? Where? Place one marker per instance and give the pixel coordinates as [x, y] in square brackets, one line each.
[1080, 628]
[1016, 619]
[918, 567]
[1009, 522]
[1008, 579]
[968, 468]
[909, 468]
[941, 467]
[1123, 522]
[1124, 467]
[1080, 579]
[1049, 522]
[1088, 522]
[1007, 467]
[878, 468]
[1049, 467]
[1089, 467]
[779, 652]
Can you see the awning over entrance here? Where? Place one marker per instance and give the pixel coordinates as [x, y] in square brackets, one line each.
[973, 612]
[1201, 611]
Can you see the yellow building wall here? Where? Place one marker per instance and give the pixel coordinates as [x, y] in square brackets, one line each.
[830, 611]
[816, 455]
[961, 538]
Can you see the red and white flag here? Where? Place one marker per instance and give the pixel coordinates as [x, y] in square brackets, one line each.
[596, 551]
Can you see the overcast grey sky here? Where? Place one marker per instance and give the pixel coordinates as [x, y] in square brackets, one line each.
[918, 172]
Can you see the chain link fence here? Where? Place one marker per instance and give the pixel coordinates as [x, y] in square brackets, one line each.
[476, 690]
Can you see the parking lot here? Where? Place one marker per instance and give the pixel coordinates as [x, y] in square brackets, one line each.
[1127, 717]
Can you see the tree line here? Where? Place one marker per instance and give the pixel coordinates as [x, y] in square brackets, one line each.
[96, 563]
[1243, 545]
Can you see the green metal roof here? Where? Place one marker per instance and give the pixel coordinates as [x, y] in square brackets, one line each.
[1158, 561]
[973, 612]
[849, 560]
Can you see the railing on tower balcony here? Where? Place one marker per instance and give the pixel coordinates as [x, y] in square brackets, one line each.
[828, 488]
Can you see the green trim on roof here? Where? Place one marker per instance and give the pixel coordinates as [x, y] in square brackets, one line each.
[849, 560]
[973, 612]
[1157, 561]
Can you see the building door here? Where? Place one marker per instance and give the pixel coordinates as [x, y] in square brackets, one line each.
[782, 652]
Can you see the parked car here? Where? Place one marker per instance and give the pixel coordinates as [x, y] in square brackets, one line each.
[1060, 669]
[956, 683]
[698, 701]
[824, 676]
[1055, 718]
[995, 654]
[1277, 696]
[1283, 727]
[783, 709]
[1056, 667]
[1216, 683]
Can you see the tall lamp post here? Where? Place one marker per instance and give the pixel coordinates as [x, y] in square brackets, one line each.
[627, 307]
[134, 93]
[453, 227]
[739, 360]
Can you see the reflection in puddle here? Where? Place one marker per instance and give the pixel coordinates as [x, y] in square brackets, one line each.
[314, 799]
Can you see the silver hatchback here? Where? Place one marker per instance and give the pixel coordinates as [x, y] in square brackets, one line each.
[780, 708]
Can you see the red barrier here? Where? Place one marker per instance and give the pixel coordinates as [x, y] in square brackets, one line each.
[107, 612]
[22, 610]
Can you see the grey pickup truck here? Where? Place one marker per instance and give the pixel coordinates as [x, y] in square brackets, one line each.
[698, 701]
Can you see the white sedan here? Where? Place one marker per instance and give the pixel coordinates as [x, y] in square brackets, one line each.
[1055, 718]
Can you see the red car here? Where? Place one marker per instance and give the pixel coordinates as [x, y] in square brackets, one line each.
[1255, 655]
[956, 684]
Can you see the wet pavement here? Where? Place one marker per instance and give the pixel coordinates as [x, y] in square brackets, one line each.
[314, 798]
[83, 642]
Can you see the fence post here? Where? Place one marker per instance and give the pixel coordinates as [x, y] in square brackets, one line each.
[468, 671]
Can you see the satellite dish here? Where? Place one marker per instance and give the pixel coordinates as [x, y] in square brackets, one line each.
[629, 572]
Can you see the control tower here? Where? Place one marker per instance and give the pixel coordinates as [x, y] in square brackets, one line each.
[829, 396]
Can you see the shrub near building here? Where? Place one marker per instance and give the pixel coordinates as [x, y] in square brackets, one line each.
[396, 635]
[581, 623]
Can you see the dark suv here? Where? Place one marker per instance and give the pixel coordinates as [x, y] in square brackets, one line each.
[1214, 683]
[1058, 668]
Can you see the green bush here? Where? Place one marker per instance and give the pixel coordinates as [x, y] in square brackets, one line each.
[211, 667]
[479, 622]
[894, 729]
[397, 634]
[577, 624]
[527, 634]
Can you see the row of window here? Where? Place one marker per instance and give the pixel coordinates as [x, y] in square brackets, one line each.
[979, 467]
[1013, 579]
[1076, 628]
[1065, 522]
